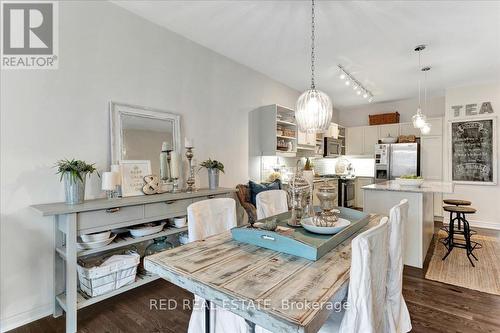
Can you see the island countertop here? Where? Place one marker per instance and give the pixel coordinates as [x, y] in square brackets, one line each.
[427, 187]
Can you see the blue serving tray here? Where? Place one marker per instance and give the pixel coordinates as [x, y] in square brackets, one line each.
[300, 242]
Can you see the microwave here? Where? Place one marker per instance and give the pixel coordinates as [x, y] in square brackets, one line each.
[332, 147]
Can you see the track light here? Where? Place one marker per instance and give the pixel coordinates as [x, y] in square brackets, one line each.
[356, 86]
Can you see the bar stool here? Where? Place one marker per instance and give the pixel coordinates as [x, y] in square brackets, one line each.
[455, 202]
[451, 242]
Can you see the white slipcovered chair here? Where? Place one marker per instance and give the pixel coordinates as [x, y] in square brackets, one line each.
[272, 202]
[396, 305]
[207, 218]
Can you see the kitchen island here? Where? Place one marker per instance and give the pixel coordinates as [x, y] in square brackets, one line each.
[419, 229]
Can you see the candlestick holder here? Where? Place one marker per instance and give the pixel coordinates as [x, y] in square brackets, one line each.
[190, 181]
[175, 185]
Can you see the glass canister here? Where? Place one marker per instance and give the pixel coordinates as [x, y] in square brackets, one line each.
[327, 196]
[300, 195]
[159, 244]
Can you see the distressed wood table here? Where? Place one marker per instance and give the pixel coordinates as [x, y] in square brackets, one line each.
[277, 291]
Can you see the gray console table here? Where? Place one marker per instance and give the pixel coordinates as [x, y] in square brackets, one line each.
[99, 215]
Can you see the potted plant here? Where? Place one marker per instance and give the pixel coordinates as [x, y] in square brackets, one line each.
[74, 172]
[213, 167]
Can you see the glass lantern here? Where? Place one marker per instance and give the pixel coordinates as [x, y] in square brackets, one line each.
[300, 193]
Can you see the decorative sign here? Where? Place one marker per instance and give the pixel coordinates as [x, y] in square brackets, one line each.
[473, 109]
[133, 173]
[152, 185]
[473, 151]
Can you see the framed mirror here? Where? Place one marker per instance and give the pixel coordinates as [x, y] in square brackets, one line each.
[137, 133]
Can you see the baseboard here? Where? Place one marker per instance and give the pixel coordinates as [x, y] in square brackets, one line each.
[484, 225]
[26, 317]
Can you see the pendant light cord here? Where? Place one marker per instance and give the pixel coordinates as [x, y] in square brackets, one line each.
[313, 55]
[419, 79]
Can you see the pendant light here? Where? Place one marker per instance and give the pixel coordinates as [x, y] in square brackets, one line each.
[419, 118]
[426, 128]
[314, 107]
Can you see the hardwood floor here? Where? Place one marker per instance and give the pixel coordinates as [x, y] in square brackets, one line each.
[434, 307]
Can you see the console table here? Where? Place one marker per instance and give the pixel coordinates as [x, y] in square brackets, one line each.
[70, 221]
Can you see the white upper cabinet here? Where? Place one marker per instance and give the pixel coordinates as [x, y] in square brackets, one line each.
[333, 131]
[371, 136]
[354, 140]
[306, 139]
[408, 129]
[386, 130]
[431, 155]
[436, 126]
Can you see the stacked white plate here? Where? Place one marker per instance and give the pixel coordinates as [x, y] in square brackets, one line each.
[144, 230]
[95, 240]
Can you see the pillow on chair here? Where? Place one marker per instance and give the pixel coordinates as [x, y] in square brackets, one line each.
[256, 188]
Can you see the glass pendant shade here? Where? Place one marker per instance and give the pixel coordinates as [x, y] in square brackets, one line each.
[426, 129]
[419, 119]
[313, 111]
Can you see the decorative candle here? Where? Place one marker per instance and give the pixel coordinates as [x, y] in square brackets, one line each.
[174, 164]
[188, 143]
[108, 181]
[164, 174]
[115, 168]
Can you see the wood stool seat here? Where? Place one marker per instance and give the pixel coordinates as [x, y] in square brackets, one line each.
[459, 209]
[456, 202]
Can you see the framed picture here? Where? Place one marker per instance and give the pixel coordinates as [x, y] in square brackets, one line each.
[133, 172]
[473, 151]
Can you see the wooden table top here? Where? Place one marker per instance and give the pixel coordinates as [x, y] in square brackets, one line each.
[277, 291]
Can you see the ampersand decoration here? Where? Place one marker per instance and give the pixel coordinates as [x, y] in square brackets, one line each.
[152, 185]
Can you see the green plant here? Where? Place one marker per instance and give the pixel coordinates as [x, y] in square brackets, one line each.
[75, 168]
[308, 165]
[212, 164]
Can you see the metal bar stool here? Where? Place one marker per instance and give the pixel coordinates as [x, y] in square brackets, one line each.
[455, 202]
[451, 242]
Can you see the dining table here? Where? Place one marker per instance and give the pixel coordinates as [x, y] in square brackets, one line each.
[277, 291]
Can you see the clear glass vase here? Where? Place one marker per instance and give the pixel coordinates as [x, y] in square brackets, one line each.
[74, 188]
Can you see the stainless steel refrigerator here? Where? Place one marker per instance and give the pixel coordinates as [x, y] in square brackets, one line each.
[395, 160]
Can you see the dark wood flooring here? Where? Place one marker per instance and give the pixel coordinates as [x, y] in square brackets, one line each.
[434, 307]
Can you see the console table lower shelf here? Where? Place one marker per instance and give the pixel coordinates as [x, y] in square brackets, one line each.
[83, 300]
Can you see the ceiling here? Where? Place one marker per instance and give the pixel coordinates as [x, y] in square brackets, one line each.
[374, 40]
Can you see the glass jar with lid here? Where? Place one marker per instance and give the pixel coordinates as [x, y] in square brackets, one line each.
[301, 201]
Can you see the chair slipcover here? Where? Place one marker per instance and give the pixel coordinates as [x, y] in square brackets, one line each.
[271, 203]
[207, 218]
[367, 284]
[396, 306]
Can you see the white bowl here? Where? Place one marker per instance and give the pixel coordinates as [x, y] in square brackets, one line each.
[180, 222]
[95, 245]
[409, 182]
[338, 227]
[389, 139]
[144, 230]
[96, 237]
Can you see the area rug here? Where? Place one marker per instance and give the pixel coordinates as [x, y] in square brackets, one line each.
[457, 270]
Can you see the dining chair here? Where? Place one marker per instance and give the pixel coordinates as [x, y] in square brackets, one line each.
[207, 218]
[272, 202]
[399, 317]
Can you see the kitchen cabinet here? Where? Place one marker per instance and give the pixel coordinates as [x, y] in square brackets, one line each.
[370, 139]
[408, 129]
[436, 127]
[333, 131]
[386, 130]
[358, 192]
[306, 139]
[431, 157]
[354, 140]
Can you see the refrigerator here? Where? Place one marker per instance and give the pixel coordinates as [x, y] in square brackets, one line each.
[396, 159]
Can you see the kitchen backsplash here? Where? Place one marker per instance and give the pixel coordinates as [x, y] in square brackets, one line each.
[363, 167]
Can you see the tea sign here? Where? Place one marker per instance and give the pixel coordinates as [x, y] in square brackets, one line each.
[473, 109]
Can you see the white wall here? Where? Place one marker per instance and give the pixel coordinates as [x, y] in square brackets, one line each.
[358, 115]
[486, 199]
[106, 53]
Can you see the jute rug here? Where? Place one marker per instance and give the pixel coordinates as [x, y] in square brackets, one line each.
[457, 270]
